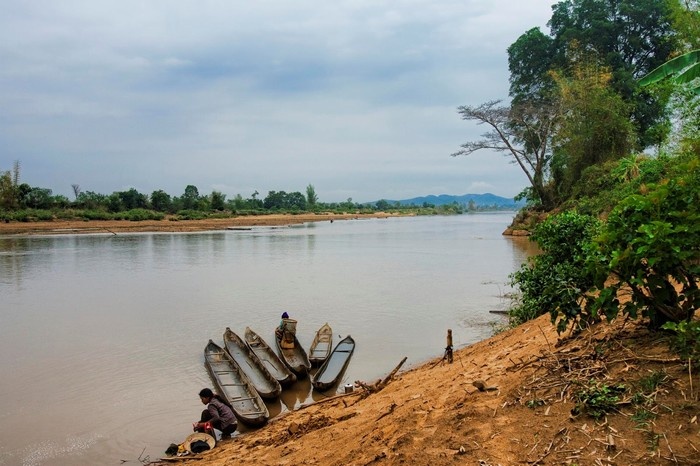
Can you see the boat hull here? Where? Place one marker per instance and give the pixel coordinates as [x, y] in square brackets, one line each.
[321, 346]
[294, 358]
[330, 372]
[265, 384]
[232, 383]
[269, 358]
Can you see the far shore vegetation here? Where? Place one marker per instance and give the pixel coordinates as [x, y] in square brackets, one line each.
[20, 202]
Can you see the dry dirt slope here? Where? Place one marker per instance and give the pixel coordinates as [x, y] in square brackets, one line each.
[434, 414]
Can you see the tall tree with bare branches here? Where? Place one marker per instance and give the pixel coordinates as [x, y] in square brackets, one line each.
[523, 132]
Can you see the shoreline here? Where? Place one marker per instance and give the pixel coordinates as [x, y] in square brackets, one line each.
[170, 225]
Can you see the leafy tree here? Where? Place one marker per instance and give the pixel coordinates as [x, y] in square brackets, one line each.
[91, 200]
[631, 37]
[311, 197]
[280, 200]
[190, 198]
[595, 126]
[296, 201]
[382, 205]
[9, 183]
[523, 132]
[161, 201]
[37, 198]
[686, 21]
[217, 200]
[132, 199]
[530, 59]
[275, 200]
[237, 202]
[114, 202]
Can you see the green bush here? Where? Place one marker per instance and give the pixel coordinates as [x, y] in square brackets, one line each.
[136, 215]
[191, 215]
[686, 340]
[95, 215]
[649, 248]
[597, 399]
[555, 281]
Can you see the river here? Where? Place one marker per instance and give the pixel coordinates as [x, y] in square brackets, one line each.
[102, 336]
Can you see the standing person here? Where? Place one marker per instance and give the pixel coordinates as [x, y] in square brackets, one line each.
[218, 414]
[279, 331]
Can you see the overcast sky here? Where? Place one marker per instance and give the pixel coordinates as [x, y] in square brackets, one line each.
[357, 98]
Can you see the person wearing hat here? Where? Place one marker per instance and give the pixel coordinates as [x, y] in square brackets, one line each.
[218, 415]
[279, 331]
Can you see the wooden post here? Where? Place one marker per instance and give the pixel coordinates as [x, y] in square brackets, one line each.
[448, 348]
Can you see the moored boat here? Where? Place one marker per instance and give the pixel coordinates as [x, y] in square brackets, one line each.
[321, 345]
[232, 383]
[294, 358]
[269, 358]
[330, 372]
[265, 384]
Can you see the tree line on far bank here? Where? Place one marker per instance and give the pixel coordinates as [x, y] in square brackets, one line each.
[22, 202]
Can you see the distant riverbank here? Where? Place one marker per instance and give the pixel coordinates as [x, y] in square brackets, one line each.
[57, 227]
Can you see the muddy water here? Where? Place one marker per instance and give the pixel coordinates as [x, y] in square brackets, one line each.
[102, 336]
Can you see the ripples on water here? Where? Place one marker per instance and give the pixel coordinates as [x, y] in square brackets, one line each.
[103, 335]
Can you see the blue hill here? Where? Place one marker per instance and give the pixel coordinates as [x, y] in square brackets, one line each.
[479, 200]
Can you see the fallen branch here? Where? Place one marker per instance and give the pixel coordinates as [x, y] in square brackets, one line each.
[380, 384]
[388, 378]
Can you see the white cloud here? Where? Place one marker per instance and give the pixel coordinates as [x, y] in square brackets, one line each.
[357, 98]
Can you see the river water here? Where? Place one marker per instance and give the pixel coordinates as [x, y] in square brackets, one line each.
[102, 336]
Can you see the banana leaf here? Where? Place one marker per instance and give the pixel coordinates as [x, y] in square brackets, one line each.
[683, 69]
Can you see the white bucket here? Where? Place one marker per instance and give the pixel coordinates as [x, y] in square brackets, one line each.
[348, 388]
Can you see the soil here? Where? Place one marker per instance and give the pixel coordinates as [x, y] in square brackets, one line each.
[171, 224]
[525, 413]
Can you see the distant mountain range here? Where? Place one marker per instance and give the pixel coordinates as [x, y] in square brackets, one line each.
[479, 200]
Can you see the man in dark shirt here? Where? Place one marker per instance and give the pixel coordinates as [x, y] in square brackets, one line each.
[218, 414]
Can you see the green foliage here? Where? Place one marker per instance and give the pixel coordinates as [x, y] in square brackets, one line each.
[555, 281]
[191, 215]
[683, 70]
[217, 201]
[649, 249]
[686, 340]
[597, 399]
[136, 215]
[595, 126]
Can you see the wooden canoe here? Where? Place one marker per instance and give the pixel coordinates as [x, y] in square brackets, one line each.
[331, 370]
[294, 358]
[321, 346]
[266, 385]
[232, 383]
[269, 358]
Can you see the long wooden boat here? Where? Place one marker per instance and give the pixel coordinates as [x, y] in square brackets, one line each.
[321, 346]
[269, 358]
[294, 358]
[331, 370]
[266, 385]
[232, 383]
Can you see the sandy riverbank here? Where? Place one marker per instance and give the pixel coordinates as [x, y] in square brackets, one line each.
[171, 225]
[436, 415]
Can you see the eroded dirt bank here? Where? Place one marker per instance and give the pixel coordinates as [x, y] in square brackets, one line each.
[435, 414]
